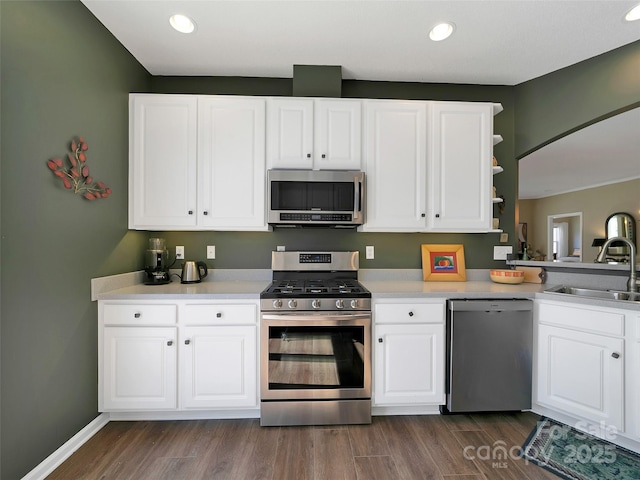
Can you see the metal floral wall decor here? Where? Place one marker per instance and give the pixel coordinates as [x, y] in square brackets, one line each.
[75, 173]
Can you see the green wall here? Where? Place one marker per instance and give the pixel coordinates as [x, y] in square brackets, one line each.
[393, 250]
[63, 75]
[557, 104]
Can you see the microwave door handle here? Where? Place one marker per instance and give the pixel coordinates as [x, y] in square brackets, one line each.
[357, 199]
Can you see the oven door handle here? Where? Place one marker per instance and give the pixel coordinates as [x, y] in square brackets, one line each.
[323, 317]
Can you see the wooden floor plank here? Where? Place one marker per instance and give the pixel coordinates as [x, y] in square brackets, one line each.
[443, 446]
[294, 456]
[376, 468]
[333, 459]
[259, 453]
[412, 459]
[368, 440]
[491, 456]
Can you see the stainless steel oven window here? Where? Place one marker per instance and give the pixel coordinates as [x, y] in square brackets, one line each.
[315, 356]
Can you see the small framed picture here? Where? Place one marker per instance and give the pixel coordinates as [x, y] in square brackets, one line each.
[443, 263]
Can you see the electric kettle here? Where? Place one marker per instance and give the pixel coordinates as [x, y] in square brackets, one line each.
[193, 272]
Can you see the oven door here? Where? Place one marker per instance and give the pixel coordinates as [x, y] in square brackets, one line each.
[315, 356]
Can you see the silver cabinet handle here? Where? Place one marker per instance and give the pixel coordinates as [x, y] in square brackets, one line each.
[190, 212]
[169, 343]
[137, 315]
[308, 155]
[411, 314]
[380, 340]
[206, 213]
[187, 342]
[437, 215]
[324, 156]
[615, 355]
[219, 315]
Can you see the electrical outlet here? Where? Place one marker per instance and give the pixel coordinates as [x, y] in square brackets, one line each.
[211, 252]
[500, 252]
[179, 252]
[369, 252]
[504, 237]
[280, 248]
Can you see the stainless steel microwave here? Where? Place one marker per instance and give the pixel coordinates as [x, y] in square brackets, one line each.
[330, 198]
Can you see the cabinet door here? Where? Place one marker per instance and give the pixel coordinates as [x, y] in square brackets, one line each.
[219, 367]
[409, 364]
[290, 133]
[633, 376]
[461, 146]
[138, 369]
[162, 161]
[231, 160]
[395, 162]
[581, 374]
[338, 135]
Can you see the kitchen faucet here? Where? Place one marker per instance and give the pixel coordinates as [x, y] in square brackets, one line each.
[632, 283]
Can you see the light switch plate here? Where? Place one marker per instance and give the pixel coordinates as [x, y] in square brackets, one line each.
[504, 237]
[500, 252]
[211, 252]
[369, 252]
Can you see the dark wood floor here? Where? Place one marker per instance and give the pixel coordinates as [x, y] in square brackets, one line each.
[399, 447]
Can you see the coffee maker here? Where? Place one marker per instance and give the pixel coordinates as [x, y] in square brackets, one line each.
[157, 263]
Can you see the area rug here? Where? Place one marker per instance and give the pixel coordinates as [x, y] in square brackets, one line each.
[575, 455]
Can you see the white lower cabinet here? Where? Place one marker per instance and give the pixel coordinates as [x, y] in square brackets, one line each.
[581, 362]
[183, 355]
[139, 368]
[409, 356]
[632, 378]
[218, 367]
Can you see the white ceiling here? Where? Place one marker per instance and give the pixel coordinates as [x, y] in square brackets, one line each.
[496, 42]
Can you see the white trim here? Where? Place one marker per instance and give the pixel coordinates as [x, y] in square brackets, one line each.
[56, 459]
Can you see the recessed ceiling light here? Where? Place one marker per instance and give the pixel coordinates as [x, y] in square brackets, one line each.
[441, 31]
[633, 14]
[182, 23]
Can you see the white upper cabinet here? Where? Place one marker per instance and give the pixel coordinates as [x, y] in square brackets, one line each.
[231, 166]
[197, 162]
[395, 146]
[314, 134]
[460, 166]
[162, 165]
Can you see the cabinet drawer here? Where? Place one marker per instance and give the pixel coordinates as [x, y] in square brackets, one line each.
[220, 314]
[139, 314]
[409, 313]
[582, 317]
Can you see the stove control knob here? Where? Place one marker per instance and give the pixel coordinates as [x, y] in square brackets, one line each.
[277, 303]
[293, 304]
[340, 304]
[315, 304]
[354, 303]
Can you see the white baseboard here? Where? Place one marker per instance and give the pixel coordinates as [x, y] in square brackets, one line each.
[54, 460]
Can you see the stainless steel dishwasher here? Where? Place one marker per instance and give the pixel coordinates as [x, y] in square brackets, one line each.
[489, 344]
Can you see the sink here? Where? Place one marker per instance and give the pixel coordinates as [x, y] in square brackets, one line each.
[594, 293]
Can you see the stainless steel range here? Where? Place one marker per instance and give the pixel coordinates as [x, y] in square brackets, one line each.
[315, 350]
